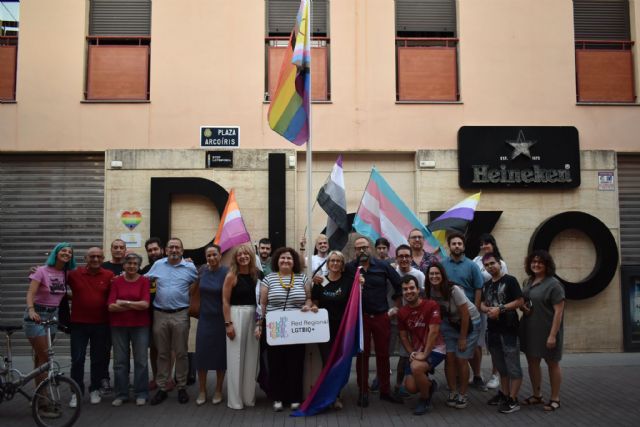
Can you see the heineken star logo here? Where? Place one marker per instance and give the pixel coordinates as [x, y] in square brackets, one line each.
[520, 146]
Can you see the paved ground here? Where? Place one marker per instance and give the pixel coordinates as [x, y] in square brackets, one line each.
[598, 389]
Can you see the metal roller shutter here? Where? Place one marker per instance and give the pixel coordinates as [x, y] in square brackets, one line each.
[120, 18]
[44, 200]
[601, 19]
[426, 16]
[629, 199]
[281, 17]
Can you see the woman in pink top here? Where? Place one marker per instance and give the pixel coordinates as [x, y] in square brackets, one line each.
[129, 318]
[47, 287]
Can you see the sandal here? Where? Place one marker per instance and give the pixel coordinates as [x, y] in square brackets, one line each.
[532, 400]
[552, 406]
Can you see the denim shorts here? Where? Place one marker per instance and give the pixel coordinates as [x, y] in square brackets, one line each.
[450, 335]
[434, 359]
[33, 329]
[505, 354]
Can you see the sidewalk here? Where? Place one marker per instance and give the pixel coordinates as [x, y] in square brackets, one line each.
[598, 389]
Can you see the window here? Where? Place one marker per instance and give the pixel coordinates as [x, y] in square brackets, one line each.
[426, 50]
[9, 18]
[604, 61]
[118, 50]
[281, 18]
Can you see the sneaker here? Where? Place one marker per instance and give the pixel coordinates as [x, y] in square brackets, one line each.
[363, 400]
[105, 387]
[96, 397]
[277, 406]
[117, 402]
[392, 398]
[295, 406]
[401, 392]
[424, 406]
[452, 400]
[141, 401]
[461, 402]
[160, 397]
[183, 397]
[494, 382]
[510, 406]
[73, 403]
[498, 399]
[375, 385]
[479, 384]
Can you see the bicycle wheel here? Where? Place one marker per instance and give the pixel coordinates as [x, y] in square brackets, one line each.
[50, 405]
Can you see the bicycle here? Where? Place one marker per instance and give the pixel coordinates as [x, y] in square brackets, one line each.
[50, 402]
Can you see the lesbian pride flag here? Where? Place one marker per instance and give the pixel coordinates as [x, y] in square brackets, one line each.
[383, 214]
[231, 231]
[346, 344]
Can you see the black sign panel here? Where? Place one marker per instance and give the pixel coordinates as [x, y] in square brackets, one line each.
[219, 159]
[222, 137]
[518, 156]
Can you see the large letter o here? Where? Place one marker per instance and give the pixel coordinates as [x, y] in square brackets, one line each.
[602, 239]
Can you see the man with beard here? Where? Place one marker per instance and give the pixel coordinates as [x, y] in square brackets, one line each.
[466, 273]
[174, 278]
[264, 251]
[420, 258]
[375, 317]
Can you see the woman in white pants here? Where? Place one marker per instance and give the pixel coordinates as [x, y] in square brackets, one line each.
[243, 336]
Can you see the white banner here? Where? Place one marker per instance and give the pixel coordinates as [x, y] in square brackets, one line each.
[296, 327]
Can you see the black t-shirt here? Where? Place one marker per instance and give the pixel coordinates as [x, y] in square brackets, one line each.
[333, 297]
[505, 290]
[116, 269]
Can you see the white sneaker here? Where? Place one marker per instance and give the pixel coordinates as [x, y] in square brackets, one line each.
[73, 403]
[95, 397]
[117, 402]
[494, 381]
[141, 401]
[277, 406]
[295, 406]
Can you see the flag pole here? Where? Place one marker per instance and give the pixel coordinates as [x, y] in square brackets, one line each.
[309, 160]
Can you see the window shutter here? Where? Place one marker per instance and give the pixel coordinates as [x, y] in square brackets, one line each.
[426, 16]
[120, 18]
[601, 19]
[281, 16]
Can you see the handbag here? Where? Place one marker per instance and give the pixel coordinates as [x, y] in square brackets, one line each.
[194, 302]
[64, 311]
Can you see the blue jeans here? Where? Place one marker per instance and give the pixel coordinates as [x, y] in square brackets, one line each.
[97, 334]
[138, 337]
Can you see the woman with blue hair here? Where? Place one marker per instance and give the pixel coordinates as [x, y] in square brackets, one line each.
[48, 286]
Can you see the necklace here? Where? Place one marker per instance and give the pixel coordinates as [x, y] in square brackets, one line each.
[290, 285]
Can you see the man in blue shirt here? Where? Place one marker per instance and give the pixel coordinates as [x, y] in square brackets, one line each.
[174, 277]
[465, 273]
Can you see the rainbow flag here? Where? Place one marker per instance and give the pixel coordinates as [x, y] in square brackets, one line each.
[231, 231]
[383, 214]
[346, 344]
[455, 218]
[290, 107]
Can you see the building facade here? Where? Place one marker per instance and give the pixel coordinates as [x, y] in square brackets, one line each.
[107, 109]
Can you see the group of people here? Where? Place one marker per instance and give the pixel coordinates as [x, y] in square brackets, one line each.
[438, 310]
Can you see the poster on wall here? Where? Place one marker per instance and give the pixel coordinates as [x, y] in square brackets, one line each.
[296, 327]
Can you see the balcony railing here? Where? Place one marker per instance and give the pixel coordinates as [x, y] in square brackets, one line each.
[118, 68]
[275, 51]
[8, 62]
[427, 69]
[604, 71]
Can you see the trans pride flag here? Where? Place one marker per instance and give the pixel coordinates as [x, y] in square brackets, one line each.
[383, 214]
[290, 107]
[346, 344]
[231, 231]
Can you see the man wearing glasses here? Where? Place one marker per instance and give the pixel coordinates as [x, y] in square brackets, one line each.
[375, 318]
[420, 258]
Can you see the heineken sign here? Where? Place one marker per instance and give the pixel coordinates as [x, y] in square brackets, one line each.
[518, 156]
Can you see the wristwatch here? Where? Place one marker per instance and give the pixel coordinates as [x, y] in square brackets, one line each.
[502, 308]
